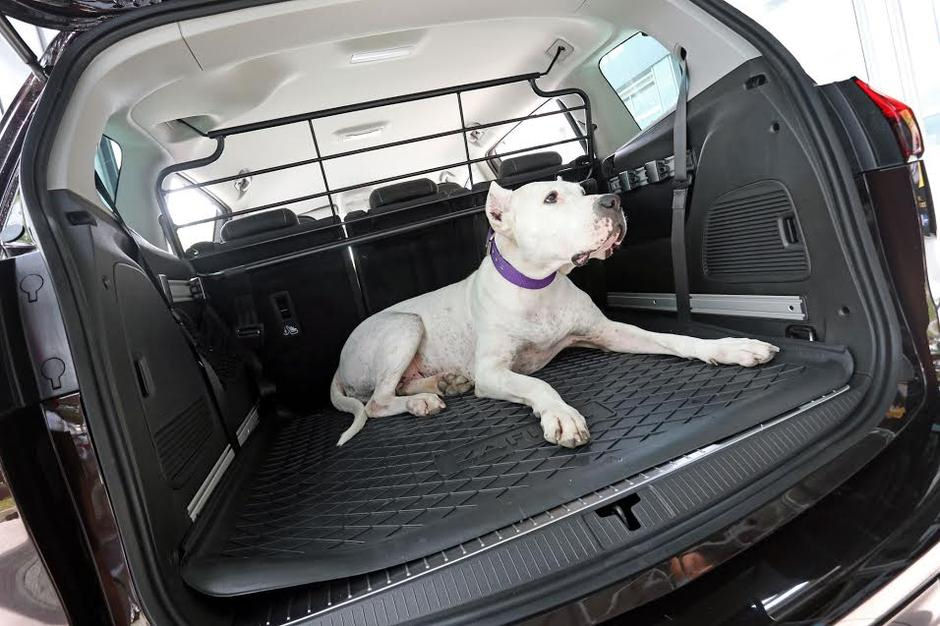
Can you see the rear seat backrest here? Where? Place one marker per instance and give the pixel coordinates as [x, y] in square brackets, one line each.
[399, 267]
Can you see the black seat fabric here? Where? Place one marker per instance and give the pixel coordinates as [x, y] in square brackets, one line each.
[400, 267]
[306, 306]
[303, 235]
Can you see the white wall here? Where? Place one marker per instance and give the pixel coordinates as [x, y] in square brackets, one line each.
[894, 45]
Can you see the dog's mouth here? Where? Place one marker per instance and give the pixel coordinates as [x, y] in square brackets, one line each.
[605, 250]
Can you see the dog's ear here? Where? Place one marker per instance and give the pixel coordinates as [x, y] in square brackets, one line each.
[497, 209]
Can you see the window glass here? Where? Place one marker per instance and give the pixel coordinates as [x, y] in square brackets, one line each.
[540, 131]
[108, 169]
[644, 75]
[190, 205]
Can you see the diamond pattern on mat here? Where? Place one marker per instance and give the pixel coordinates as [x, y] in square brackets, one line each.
[401, 473]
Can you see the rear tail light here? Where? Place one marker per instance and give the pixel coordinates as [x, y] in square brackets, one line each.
[902, 121]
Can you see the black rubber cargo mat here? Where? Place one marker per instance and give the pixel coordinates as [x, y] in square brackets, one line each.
[297, 509]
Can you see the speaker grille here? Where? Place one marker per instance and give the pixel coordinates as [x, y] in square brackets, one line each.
[179, 441]
[752, 234]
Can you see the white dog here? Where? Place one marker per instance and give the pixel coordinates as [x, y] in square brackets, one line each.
[509, 319]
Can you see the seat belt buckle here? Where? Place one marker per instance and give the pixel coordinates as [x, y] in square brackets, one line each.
[658, 170]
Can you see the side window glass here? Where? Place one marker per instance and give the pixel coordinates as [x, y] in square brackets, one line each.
[540, 131]
[188, 205]
[645, 77]
[108, 159]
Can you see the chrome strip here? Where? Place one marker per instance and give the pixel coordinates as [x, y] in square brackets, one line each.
[650, 301]
[209, 484]
[574, 507]
[179, 290]
[772, 307]
[248, 426]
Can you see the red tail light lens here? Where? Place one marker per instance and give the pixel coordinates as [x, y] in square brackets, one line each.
[902, 121]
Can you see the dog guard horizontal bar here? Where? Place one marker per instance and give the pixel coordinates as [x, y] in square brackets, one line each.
[391, 144]
[171, 229]
[348, 241]
[382, 181]
[372, 104]
[769, 307]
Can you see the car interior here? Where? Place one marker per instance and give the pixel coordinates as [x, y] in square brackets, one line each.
[236, 192]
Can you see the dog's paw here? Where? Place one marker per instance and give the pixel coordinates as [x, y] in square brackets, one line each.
[424, 404]
[564, 426]
[735, 351]
[453, 384]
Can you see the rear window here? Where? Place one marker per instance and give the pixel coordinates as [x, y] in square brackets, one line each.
[108, 159]
[542, 130]
[645, 77]
[192, 205]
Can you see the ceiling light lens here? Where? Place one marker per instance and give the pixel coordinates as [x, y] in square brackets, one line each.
[373, 56]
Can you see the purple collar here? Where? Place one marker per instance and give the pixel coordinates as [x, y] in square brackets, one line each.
[510, 273]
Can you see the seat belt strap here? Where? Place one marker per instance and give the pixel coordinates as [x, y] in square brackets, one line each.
[681, 181]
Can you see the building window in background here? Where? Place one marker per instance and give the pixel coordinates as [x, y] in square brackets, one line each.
[644, 75]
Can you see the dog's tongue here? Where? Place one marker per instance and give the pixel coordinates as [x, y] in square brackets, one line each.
[610, 242]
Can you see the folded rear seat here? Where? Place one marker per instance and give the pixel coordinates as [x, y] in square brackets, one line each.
[401, 266]
[281, 309]
[261, 236]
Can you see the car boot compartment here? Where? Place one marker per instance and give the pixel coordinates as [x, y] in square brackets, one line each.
[294, 509]
[302, 510]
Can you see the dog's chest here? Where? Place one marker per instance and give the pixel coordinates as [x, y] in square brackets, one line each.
[540, 336]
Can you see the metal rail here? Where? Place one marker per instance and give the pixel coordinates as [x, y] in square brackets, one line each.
[171, 228]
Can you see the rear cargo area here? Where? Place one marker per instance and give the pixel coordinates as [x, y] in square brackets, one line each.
[301, 510]
[289, 508]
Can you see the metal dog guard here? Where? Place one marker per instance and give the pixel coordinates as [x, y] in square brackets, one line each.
[171, 228]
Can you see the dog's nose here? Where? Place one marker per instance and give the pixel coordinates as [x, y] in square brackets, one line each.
[609, 202]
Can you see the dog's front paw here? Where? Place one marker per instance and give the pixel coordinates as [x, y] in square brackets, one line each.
[564, 426]
[424, 404]
[736, 351]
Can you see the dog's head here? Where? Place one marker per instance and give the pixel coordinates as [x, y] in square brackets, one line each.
[555, 225]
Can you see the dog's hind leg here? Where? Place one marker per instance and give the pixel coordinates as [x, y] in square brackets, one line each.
[395, 350]
[446, 384]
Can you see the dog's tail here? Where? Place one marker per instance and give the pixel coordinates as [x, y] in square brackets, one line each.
[347, 404]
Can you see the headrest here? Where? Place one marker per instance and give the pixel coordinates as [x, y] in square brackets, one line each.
[450, 188]
[528, 163]
[402, 192]
[201, 247]
[258, 223]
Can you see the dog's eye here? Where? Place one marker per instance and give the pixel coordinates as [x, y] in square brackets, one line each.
[551, 198]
